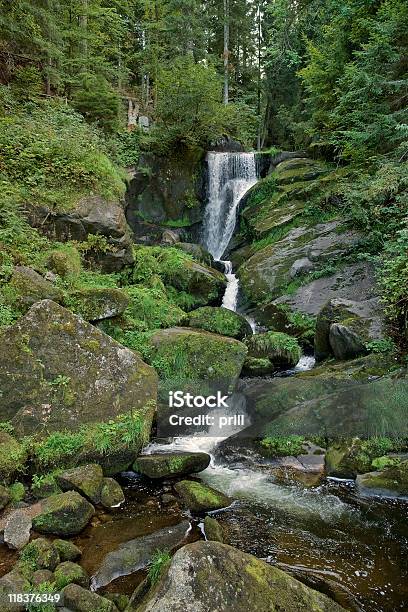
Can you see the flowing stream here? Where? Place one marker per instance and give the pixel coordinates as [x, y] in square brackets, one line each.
[352, 549]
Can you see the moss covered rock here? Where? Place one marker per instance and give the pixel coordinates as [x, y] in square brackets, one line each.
[281, 349]
[391, 482]
[60, 372]
[13, 456]
[68, 572]
[199, 497]
[42, 553]
[31, 287]
[213, 530]
[165, 465]
[209, 576]
[85, 479]
[81, 600]
[258, 366]
[220, 321]
[112, 494]
[65, 261]
[96, 304]
[64, 514]
[67, 550]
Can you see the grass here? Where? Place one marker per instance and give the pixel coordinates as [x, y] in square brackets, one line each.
[159, 560]
[282, 446]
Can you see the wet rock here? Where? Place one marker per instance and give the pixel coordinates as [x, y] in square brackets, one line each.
[208, 576]
[31, 287]
[390, 482]
[112, 494]
[96, 304]
[78, 599]
[220, 321]
[137, 554]
[64, 514]
[41, 576]
[44, 554]
[68, 572]
[4, 497]
[17, 529]
[306, 469]
[67, 550]
[213, 530]
[60, 372]
[199, 497]
[85, 479]
[164, 465]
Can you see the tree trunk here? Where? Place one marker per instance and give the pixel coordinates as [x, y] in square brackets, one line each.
[226, 49]
[83, 22]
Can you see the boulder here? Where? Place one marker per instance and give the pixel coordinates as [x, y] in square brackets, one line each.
[197, 357]
[281, 350]
[208, 576]
[96, 304]
[68, 572]
[60, 372]
[78, 599]
[138, 553]
[67, 550]
[41, 576]
[170, 237]
[198, 497]
[10, 583]
[199, 253]
[85, 479]
[4, 497]
[390, 482]
[213, 530]
[64, 514]
[43, 553]
[343, 327]
[17, 529]
[258, 366]
[167, 465]
[112, 495]
[31, 287]
[206, 284]
[91, 215]
[220, 321]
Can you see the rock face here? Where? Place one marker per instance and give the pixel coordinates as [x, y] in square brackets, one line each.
[165, 465]
[137, 554]
[91, 215]
[32, 287]
[203, 356]
[95, 304]
[344, 327]
[199, 497]
[62, 372]
[17, 529]
[208, 576]
[220, 321]
[65, 514]
[391, 482]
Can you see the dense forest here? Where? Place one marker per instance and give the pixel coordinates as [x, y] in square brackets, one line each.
[205, 197]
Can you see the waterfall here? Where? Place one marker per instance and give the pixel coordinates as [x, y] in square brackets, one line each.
[230, 175]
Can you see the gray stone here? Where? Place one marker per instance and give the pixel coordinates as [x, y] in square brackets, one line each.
[112, 495]
[64, 514]
[85, 479]
[300, 267]
[17, 529]
[13, 582]
[68, 572]
[67, 550]
[345, 343]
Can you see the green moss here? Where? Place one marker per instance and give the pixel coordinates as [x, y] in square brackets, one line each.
[199, 497]
[282, 446]
[276, 346]
[380, 463]
[220, 321]
[17, 492]
[159, 562]
[13, 457]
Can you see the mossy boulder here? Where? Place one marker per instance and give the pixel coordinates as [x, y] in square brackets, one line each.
[64, 514]
[167, 465]
[13, 456]
[65, 261]
[186, 355]
[81, 600]
[281, 350]
[298, 169]
[213, 576]
[198, 253]
[112, 494]
[220, 321]
[258, 366]
[4, 497]
[31, 287]
[199, 497]
[68, 572]
[85, 479]
[96, 304]
[60, 372]
[213, 530]
[42, 553]
[67, 550]
[390, 482]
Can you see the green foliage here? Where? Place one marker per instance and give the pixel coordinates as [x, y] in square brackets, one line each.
[17, 492]
[282, 446]
[159, 560]
[45, 588]
[275, 345]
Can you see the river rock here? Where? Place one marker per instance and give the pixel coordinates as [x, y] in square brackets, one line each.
[60, 372]
[138, 553]
[208, 576]
[67, 550]
[17, 529]
[78, 599]
[198, 497]
[167, 465]
[220, 321]
[31, 287]
[91, 215]
[41, 576]
[96, 304]
[391, 482]
[213, 530]
[85, 479]
[64, 514]
[44, 554]
[68, 572]
[112, 495]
